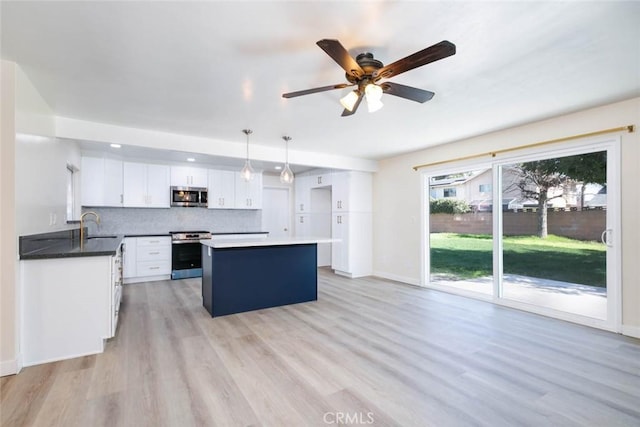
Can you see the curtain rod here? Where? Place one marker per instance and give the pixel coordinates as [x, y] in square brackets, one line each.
[629, 129]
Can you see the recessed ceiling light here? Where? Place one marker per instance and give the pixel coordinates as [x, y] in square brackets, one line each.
[116, 145]
[278, 168]
[190, 159]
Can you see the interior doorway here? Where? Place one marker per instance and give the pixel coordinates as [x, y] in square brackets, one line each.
[276, 217]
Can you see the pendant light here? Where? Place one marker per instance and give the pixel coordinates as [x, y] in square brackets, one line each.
[247, 171]
[286, 176]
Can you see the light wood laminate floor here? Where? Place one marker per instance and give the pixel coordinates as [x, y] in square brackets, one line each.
[368, 352]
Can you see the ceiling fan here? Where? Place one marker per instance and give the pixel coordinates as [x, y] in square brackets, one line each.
[365, 72]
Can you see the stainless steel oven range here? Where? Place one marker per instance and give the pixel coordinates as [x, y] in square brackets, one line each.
[186, 255]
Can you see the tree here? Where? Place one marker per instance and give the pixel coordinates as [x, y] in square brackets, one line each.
[587, 169]
[538, 177]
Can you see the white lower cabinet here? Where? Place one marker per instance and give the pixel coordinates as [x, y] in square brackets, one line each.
[303, 225]
[147, 258]
[73, 306]
[351, 256]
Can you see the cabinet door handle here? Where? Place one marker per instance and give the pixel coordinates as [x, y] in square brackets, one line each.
[301, 207]
[301, 220]
[154, 253]
[154, 268]
[121, 198]
[319, 180]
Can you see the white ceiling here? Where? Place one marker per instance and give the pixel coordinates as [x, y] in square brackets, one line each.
[211, 69]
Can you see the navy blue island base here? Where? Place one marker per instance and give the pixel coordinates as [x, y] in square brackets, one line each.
[239, 279]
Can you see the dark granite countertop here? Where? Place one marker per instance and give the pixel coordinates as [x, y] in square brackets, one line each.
[213, 233]
[147, 235]
[66, 244]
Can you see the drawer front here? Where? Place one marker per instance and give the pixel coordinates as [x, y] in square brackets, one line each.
[153, 268]
[153, 253]
[154, 241]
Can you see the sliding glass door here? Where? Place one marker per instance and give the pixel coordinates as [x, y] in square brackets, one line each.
[461, 236]
[537, 230]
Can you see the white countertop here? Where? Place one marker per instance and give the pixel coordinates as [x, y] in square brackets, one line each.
[265, 241]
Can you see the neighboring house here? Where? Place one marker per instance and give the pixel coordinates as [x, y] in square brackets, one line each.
[476, 189]
[595, 199]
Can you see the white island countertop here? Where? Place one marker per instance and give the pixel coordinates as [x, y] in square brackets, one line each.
[219, 243]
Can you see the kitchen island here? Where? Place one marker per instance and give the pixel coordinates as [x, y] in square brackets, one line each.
[241, 275]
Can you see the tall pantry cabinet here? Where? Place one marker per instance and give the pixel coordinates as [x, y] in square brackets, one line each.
[350, 217]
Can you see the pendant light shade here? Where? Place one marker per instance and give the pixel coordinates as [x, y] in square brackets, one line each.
[286, 176]
[247, 171]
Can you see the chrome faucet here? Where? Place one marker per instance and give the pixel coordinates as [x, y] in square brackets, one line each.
[82, 224]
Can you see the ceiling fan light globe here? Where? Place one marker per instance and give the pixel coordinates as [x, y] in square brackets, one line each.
[247, 171]
[373, 92]
[349, 100]
[374, 105]
[286, 176]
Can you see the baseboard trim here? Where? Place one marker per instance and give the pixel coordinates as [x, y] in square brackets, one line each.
[130, 280]
[397, 278]
[10, 367]
[631, 331]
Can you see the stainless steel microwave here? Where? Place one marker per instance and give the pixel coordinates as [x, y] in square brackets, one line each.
[189, 196]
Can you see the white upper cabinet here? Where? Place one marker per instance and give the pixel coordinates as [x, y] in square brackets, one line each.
[322, 179]
[351, 192]
[101, 182]
[303, 193]
[184, 176]
[222, 189]
[146, 185]
[248, 194]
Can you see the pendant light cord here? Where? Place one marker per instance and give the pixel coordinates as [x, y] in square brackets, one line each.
[286, 147]
[247, 132]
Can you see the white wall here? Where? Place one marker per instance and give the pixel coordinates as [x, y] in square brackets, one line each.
[8, 244]
[397, 192]
[34, 168]
[41, 182]
[92, 131]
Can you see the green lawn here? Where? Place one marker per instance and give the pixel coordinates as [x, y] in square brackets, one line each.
[557, 258]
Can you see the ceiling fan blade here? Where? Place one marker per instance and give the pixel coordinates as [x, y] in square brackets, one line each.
[315, 90]
[335, 50]
[418, 59]
[407, 92]
[346, 112]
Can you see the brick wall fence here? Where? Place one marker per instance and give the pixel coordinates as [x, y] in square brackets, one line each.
[580, 225]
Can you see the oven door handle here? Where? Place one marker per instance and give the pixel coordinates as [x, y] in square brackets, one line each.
[183, 242]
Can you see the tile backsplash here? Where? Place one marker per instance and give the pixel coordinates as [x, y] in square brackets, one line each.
[160, 221]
